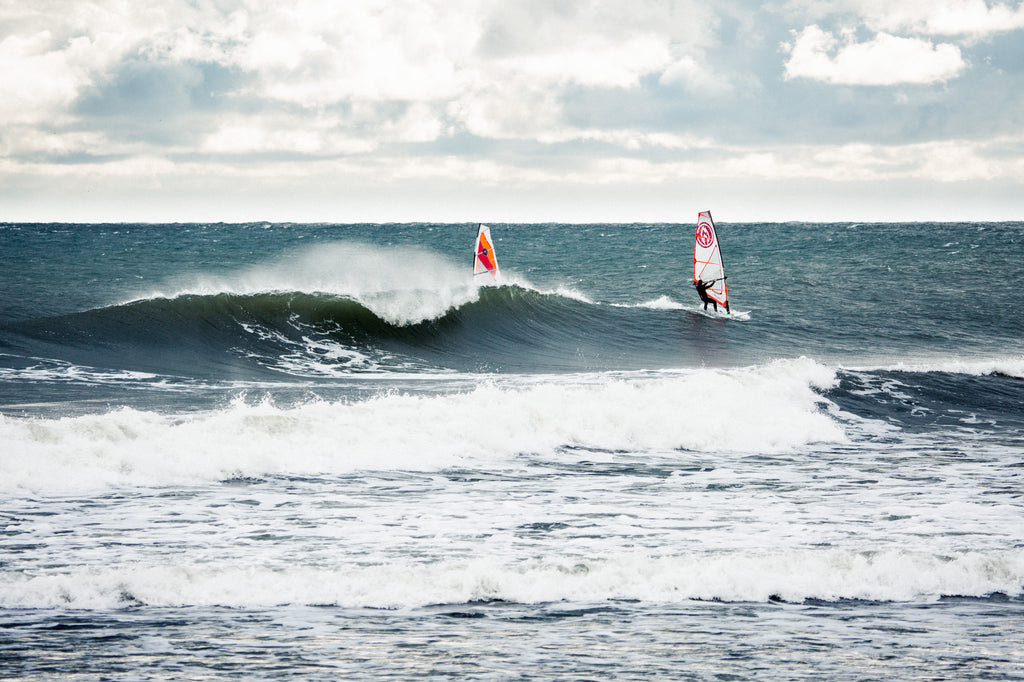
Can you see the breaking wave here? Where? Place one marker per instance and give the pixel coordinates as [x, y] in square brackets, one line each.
[780, 404]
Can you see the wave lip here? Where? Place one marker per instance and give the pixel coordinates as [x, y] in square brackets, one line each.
[401, 285]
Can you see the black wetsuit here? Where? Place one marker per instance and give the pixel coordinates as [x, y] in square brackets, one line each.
[702, 291]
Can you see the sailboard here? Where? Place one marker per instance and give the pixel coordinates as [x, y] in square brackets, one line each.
[484, 260]
[707, 259]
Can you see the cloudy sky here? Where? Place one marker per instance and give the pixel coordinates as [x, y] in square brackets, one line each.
[511, 110]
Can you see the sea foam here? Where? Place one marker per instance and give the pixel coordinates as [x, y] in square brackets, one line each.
[1008, 366]
[766, 409]
[793, 576]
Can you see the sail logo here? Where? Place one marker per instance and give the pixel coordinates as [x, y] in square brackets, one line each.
[705, 236]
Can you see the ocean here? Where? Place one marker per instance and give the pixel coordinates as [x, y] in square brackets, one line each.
[318, 452]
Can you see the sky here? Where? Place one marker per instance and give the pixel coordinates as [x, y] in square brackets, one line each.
[511, 110]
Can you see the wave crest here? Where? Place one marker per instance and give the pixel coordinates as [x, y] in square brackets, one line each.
[400, 284]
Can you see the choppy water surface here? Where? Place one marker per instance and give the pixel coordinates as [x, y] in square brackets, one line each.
[323, 452]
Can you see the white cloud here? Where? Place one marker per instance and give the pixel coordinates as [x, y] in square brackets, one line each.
[185, 95]
[597, 61]
[972, 18]
[949, 161]
[40, 76]
[509, 108]
[695, 76]
[773, 182]
[420, 123]
[267, 135]
[946, 161]
[32, 78]
[315, 53]
[495, 69]
[942, 17]
[57, 51]
[25, 140]
[325, 134]
[885, 60]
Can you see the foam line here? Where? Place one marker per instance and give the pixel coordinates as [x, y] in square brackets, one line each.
[771, 408]
[793, 576]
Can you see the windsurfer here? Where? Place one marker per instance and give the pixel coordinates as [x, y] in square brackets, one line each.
[702, 291]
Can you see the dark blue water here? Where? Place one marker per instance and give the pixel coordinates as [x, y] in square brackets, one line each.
[323, 451]
[187, 301]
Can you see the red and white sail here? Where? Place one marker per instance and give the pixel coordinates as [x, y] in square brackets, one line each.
[484, 260]
[707, 258]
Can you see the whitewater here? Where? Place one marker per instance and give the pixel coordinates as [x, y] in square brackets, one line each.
[284, 451]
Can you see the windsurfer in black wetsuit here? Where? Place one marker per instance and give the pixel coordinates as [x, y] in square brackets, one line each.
[702, 291]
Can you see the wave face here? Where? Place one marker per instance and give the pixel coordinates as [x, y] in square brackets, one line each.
[313, 335]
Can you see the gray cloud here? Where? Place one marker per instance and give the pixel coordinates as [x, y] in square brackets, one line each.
[159, 103]
[530, 96]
